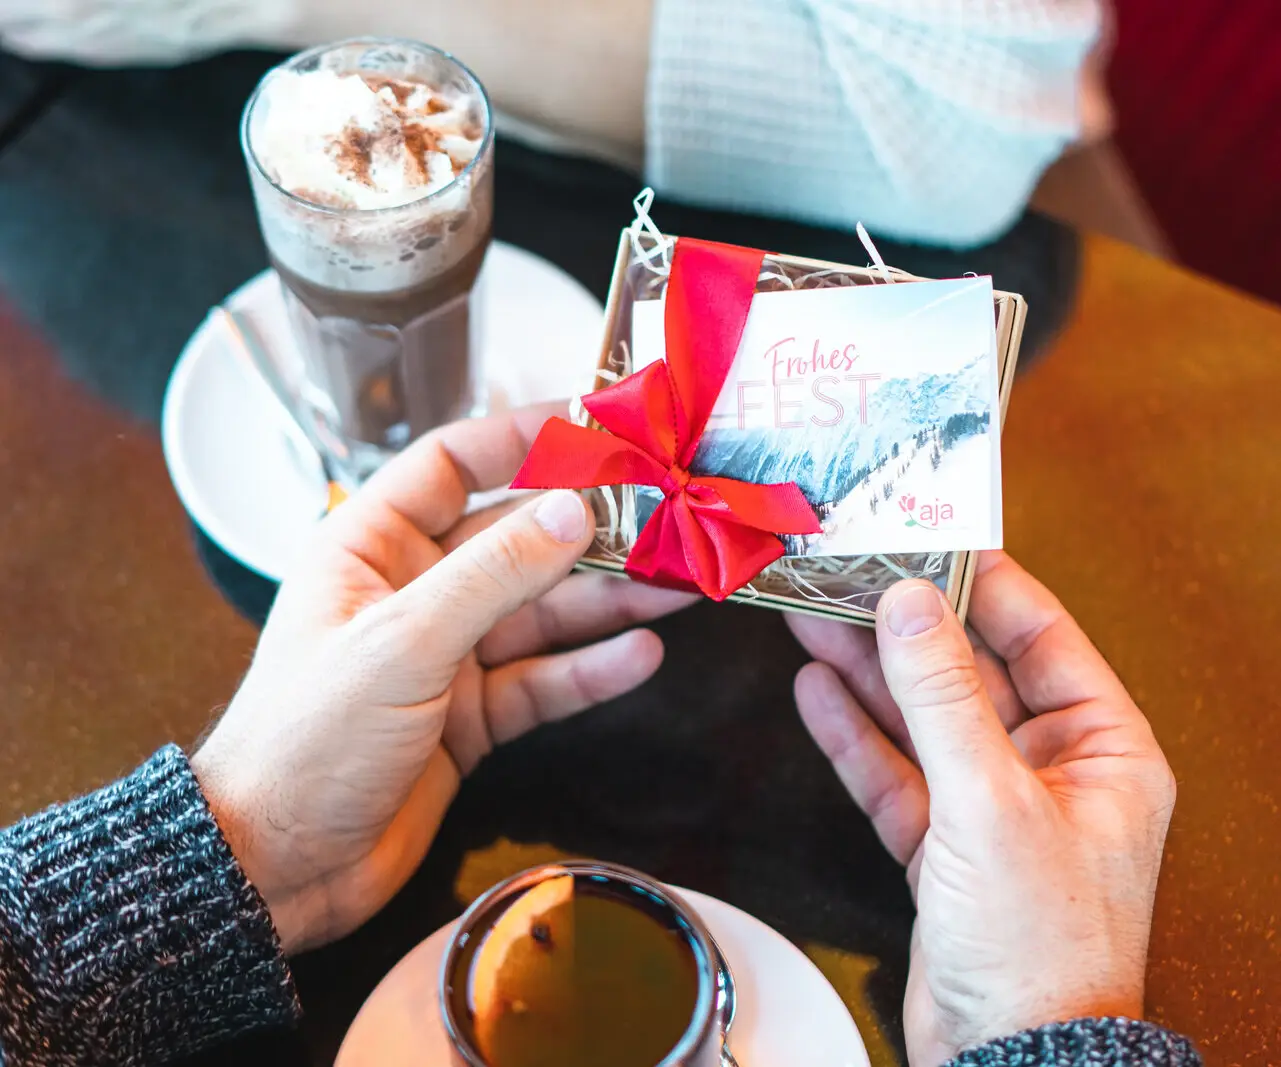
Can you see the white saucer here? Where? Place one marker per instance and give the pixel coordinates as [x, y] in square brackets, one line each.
[786, 1011]
[254, 493]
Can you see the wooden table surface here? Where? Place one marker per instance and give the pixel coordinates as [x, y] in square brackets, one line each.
[1143, 483]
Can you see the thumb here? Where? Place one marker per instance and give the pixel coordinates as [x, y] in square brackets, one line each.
[929, 668]
[519, 558]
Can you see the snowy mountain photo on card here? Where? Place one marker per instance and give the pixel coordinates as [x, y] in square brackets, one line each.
[879, 401]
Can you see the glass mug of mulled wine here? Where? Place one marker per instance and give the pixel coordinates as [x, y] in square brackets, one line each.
[582, 964]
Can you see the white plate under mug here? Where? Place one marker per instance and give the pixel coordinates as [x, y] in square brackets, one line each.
[786, 1012]
[255, 493]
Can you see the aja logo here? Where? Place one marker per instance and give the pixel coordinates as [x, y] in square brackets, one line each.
[930, 516]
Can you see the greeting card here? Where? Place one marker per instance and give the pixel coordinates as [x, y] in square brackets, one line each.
[876, 401]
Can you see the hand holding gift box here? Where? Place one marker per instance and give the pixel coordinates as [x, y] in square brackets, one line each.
[788, 432]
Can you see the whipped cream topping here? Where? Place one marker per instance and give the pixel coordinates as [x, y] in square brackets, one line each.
[361, 141]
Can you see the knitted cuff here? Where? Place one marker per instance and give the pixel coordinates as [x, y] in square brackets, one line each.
[1111, 1042]
[137, 936]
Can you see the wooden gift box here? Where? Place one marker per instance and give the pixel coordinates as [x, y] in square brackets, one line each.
[851, 595]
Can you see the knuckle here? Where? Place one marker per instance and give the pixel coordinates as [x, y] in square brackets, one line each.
[582, 690]
[380, 629]
[520, 714]
[1156, 777]
[1164, 785]
[546, 622]
[633, 608]
[944, 681]
[885, 802]
[501, 564]
[838, 743]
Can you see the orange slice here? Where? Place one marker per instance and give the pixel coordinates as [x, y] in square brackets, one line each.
[513, 927]
[337, 494]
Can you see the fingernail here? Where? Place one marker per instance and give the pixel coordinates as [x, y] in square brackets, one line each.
[913, 611]
[562, 514]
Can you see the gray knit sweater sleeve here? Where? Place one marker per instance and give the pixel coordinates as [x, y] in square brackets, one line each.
[1085, 1043]
[128, 934]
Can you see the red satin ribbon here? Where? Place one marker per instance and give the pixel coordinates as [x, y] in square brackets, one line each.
[708, 534]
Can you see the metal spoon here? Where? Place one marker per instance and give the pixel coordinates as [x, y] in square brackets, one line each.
[307, 435]
[726, 1003]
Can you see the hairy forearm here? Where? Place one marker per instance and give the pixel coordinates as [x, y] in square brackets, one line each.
[577, 66]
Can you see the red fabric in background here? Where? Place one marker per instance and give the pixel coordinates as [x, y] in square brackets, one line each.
[1197, 89]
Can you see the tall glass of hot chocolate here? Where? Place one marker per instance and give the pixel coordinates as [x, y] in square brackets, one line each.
[371, 162]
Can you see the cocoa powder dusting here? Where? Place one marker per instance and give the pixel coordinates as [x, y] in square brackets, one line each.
[353, 152]
[400, 88]
[354, 149]
[420, 141]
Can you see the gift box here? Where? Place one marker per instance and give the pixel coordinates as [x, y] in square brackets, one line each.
[658, 428]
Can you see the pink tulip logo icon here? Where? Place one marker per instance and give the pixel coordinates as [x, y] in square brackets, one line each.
[930, 517]
[908, 503]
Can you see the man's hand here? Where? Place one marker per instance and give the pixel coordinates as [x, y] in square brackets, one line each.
[408, 642]
[1020, 786]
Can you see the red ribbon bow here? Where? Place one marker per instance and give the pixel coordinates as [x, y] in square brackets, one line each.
[709, 534]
